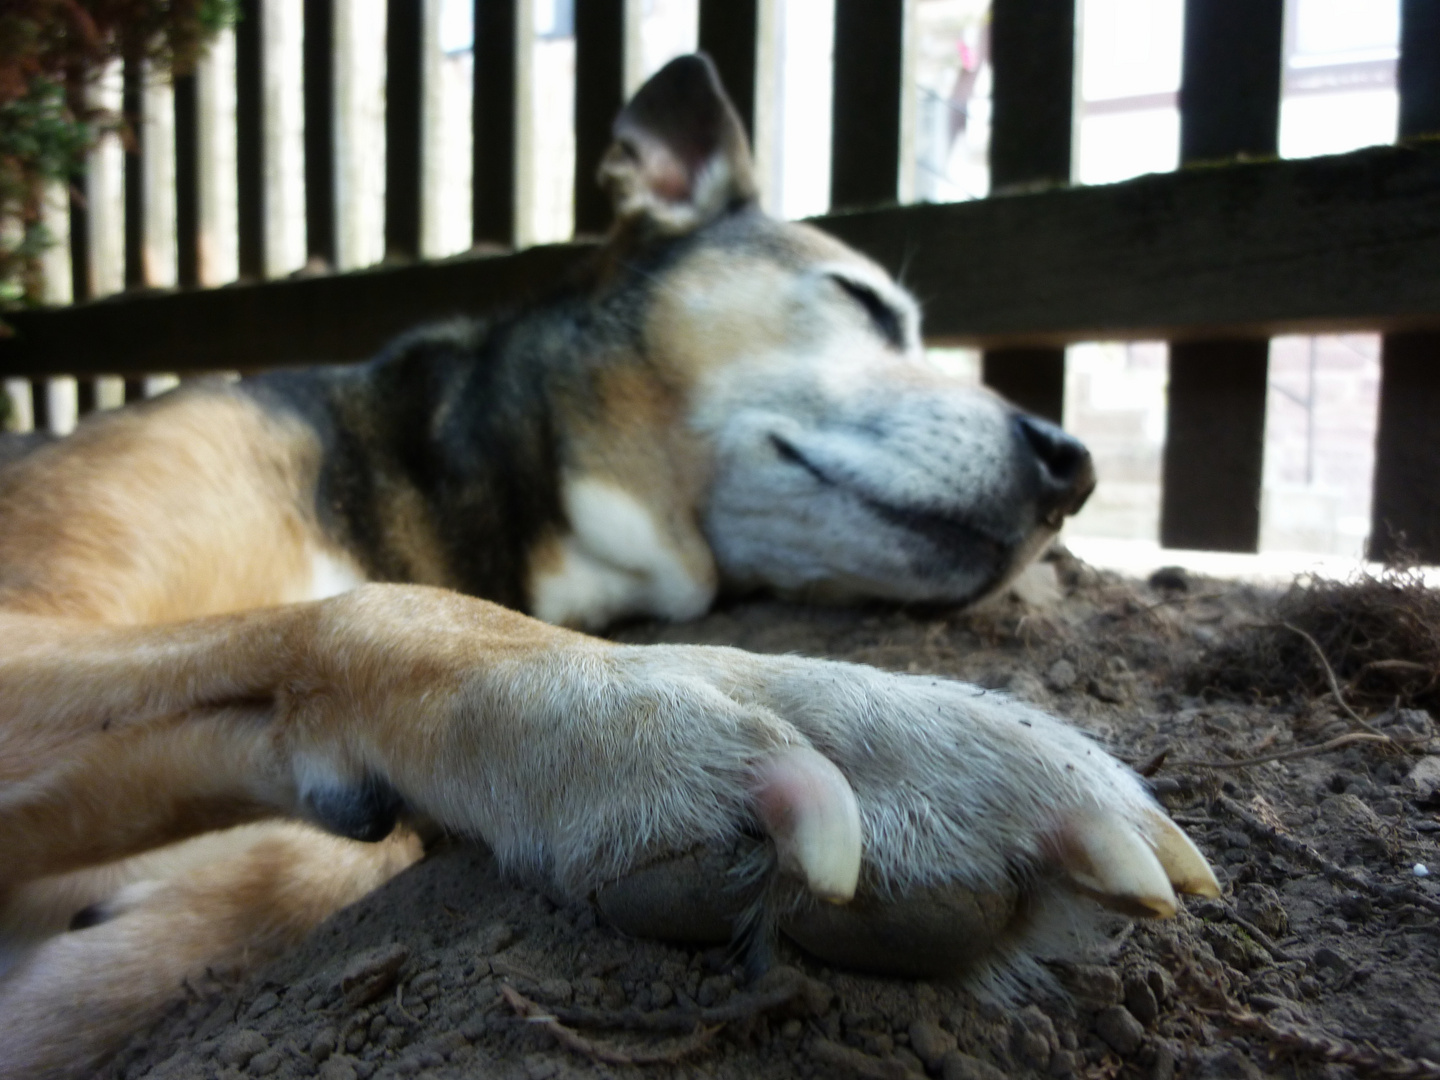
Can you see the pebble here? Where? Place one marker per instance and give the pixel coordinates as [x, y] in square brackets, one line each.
[930, 1042]
[1420, 870]
[1118, 1027]
[240, 1046]
[338, 1068]
[958, 1066]
[1140, 1000]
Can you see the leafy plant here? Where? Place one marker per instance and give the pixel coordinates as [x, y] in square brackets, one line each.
[51, 51]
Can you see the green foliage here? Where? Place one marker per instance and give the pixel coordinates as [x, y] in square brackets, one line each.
[50, 53]
[40, 142]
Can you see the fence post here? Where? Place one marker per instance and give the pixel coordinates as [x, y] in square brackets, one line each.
[868, 84]
[404, 127]
[1032, 49]
[1405, 511]
[318, 49]
[729, 34]
[249, 142]
[1215, 443]
[132, 107]
[187, 181]
[599, 94]
[493, 122]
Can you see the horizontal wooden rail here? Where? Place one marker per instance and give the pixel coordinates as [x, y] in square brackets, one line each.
[1344, 242]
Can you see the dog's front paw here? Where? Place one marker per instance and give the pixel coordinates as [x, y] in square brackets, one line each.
[979, 822]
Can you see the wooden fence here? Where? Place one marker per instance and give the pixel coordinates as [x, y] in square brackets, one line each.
[1233, 247]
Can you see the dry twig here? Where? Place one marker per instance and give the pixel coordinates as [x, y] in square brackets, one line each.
[599, 1051]
[1332, 870]
[1299, 1042]
[1285, 755]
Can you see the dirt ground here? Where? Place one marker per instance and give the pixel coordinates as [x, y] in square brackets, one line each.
[1321, 960]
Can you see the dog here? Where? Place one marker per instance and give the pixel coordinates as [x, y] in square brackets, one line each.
[247, 628]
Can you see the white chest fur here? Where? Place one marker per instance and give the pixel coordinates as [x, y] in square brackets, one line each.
[616, 560]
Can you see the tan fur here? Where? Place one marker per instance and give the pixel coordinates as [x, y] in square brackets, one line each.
[188, 505]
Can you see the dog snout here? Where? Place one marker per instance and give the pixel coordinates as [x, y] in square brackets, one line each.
[1066, 470]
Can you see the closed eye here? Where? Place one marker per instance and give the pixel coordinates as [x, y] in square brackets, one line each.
[888, 322]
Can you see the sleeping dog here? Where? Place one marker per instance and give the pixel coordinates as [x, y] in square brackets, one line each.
[254, 633]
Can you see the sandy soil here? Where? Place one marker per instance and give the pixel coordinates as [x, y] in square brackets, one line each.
[1323, 958]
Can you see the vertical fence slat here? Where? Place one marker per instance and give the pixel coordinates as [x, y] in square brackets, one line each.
[1033, 378]
[319, 80]
[1230, 79]
[40, 404]
[1032, 49]
[82, 270]
[404, 127]
[1405, 507]
[249, 141]
[187, 182]
[865, 125]
[599, 93]
[132, 106]
[729, 33]
[134, 388]
[1215, 446]
[87, 398]
[493, 122]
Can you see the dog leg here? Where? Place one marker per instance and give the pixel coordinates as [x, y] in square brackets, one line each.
[584, 759]
[254, 891]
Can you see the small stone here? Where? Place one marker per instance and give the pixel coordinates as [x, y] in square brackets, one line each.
[495, 937]
[661, 995]
[792, 1029]
[265, 1062]
[338, 1068]
[323, 1044]
[1420, 870]
[372, 973]
[1119, 1028]
[240, 1046]
[1093, 987]
[930, 1042]
[958, 1066]
[1061, 676]
[1140, 1000]
[262, 1004]
[908, 1061]
[1170, 579]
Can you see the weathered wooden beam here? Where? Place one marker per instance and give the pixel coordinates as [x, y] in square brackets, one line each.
[1405, 503]
[250, 139]
[493, 122]
[729, 33]
[404, 127]
[1215, 427]
[865, 116]
[599, 94]
[1032, 48]
[319, 93]
[277, 323]
[1348, 242]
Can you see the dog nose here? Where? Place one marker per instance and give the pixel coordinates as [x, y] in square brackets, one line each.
[1067, 473]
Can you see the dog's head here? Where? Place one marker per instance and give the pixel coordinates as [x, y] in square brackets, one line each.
[780, 425]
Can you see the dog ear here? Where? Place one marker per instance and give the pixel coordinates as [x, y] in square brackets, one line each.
[680, 155]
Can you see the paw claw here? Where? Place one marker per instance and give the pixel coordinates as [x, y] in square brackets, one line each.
[1106, 858]
[809, 809]
[1184, 865]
